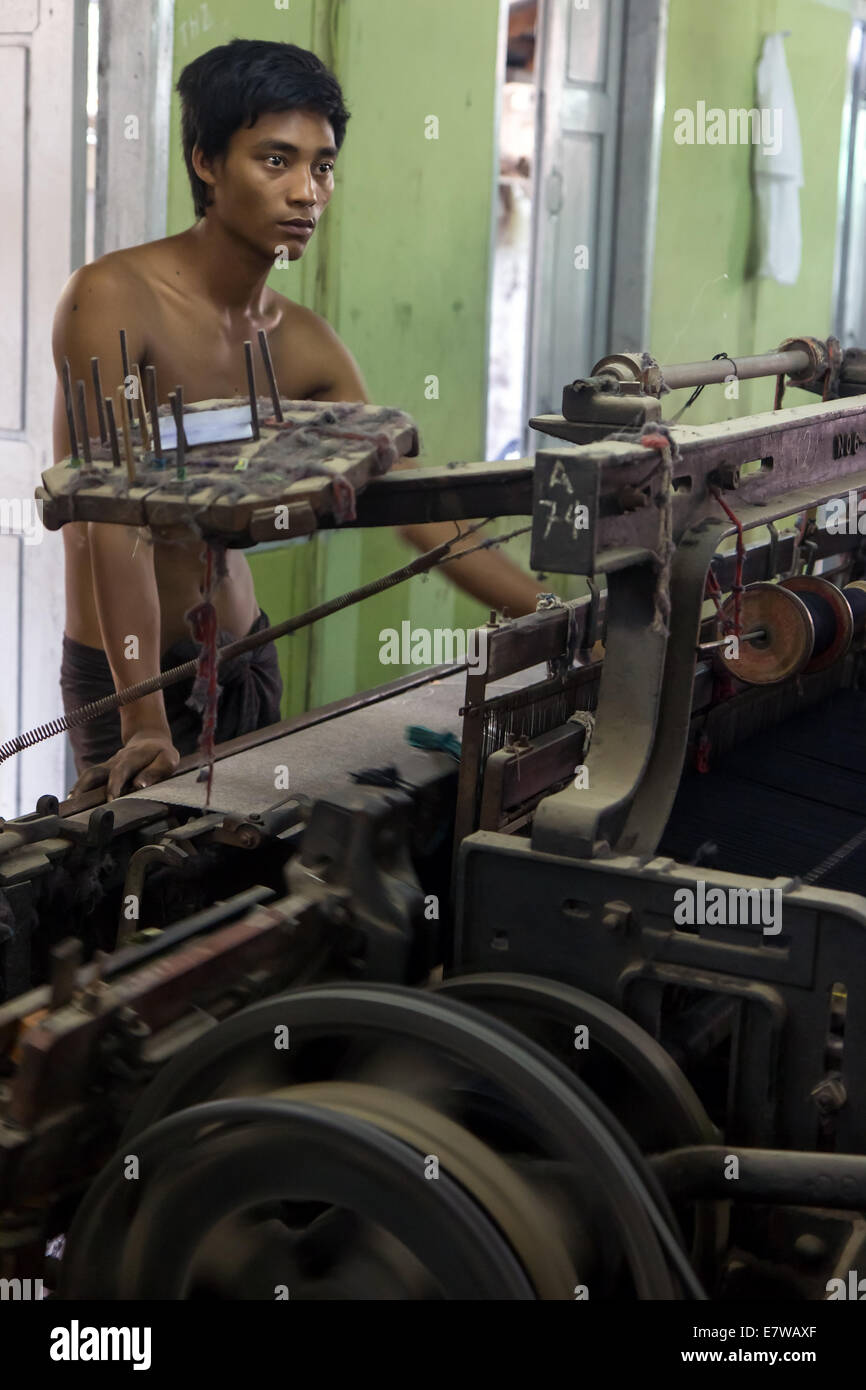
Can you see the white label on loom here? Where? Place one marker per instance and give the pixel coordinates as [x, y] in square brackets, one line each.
[208, 426]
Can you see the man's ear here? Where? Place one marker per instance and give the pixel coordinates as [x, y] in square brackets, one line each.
[203, 166]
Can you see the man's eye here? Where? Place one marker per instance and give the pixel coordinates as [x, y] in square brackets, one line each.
[277, 157]
[326, 168]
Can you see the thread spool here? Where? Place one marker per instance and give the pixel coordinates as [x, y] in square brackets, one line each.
[806, 624]
[832, 618]
[856, 595]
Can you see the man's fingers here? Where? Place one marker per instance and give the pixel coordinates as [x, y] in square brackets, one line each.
[135, 763]
[120, 774]
[90, 778]
[161, 767]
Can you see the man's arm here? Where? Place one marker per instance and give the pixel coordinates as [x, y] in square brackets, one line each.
[96, 303]
[487, 575]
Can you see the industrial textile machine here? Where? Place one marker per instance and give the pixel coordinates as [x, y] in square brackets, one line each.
[580, 1014]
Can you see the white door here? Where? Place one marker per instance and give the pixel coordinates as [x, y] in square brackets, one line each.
[579, 66]
[42, 66]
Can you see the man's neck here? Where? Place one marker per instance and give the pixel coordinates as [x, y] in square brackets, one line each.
[231, 274]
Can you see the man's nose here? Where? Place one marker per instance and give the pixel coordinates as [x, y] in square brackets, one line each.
[303, 189]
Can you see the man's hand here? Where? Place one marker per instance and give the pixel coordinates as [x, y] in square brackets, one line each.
[148, 756]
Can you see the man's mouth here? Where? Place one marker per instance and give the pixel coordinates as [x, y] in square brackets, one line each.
[299, 226]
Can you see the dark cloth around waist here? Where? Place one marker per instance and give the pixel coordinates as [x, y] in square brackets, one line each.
[249, 696]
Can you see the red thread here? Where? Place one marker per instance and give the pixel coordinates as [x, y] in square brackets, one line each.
[702, 753]
[203, 620]
[737, 586]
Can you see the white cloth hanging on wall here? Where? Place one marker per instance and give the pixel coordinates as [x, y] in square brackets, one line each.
[778, 167]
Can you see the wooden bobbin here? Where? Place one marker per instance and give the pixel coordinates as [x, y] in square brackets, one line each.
[787, 641]
[831, 615]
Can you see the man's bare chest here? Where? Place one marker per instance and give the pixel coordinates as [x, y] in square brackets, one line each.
[191, 347]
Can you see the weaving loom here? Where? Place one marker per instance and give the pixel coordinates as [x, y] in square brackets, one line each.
[437, 937]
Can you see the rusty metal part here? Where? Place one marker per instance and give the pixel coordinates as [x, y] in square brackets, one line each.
[45, 1095]
[795, 357]
[632, 780]
[805, 452]
[516, 777]
[166, 854]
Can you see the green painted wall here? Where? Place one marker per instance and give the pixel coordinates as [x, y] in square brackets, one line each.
[706, 297]
[399, 267]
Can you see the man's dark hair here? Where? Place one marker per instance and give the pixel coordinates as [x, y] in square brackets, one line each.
[231, 86]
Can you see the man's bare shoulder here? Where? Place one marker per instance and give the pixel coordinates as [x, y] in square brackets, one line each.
[295, 319]
[112, 281]
[302, 333]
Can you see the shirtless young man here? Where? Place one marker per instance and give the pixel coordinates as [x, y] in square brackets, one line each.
[262, 126]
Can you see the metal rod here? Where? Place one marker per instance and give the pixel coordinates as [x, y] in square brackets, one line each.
[251, 387]
[791, 363]
[95, 709]
[764, 1175]
[82, 421]
[153, 407]
[97, 391]
[111, 427]
[269, 370]
[176, 398]
[124, 357]
[127, 434]
[745, 637]
[142, 412]
[70, 413]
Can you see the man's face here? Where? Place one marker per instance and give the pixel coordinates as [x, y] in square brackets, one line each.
[278, 172]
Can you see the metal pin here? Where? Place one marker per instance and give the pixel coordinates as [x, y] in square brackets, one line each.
[176, 398]
[124, 357]
[269, 369]
[142, 414]
[97, 391]
[70, 413]
[111, 427]
[153, 407]
[127, 435]
[723, 641]
[251, 387]
[82, 421]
